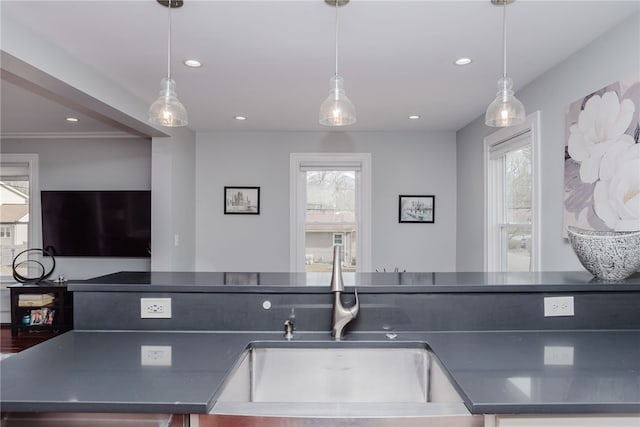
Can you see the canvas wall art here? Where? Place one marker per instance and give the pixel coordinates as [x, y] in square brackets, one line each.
[602, 159]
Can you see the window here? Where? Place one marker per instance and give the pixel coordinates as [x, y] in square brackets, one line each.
[330, 205]
[19, 211]
[5, 232]
[512, 187]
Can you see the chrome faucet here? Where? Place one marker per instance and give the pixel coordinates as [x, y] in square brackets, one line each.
[341, 314]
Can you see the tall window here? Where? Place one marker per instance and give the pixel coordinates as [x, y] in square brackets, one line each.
[330, 199]
[330, 218]
[512, 219]
[19, 210]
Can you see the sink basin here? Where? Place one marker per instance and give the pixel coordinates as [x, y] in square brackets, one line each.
[339, 382]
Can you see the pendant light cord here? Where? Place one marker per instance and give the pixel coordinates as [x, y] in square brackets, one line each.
[504, 39]
[336, 38]
[169, 44]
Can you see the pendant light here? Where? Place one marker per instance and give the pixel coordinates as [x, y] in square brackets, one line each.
[337, 109]
[167, 110]
[506, 109]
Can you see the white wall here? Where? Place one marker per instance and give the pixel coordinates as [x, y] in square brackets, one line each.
[90, 164]
[612, 57]
[173, 201]
[402, 163]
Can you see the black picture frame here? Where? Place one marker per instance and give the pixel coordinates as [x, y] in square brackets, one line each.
[416, 209]
[241, 200]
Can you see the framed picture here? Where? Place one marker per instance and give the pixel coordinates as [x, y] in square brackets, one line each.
[242, 200]
[416, 209]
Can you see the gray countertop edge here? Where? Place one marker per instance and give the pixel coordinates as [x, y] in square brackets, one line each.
[363, 289]
[555, 409]
[111, 407]
[396, 282]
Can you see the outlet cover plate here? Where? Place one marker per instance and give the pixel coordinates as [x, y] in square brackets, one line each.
[558, 306]
[155, 308]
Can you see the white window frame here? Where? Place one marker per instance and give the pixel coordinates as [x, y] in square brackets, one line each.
[297, 195]
[34, 230]
[342, 236]
[494, 181]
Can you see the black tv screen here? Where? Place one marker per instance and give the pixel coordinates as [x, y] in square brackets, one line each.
[97, 223]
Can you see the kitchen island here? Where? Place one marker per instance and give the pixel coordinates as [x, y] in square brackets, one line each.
[501, 352]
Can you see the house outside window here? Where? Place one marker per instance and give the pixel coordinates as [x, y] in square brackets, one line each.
[512, 230]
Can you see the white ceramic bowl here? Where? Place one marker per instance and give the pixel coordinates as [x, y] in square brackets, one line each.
[608, 255]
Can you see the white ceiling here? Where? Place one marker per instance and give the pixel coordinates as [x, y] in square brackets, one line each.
[271, 60]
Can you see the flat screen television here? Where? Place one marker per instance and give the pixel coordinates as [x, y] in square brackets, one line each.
[97, 223]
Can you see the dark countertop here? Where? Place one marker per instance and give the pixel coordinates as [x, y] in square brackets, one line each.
[561, 281]
[498, 372]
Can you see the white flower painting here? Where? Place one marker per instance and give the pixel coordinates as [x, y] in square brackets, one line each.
[602, 159]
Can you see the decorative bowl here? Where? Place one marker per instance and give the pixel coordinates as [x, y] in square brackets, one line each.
[608, 255]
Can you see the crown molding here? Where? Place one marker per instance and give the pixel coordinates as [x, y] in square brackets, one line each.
[70, 135]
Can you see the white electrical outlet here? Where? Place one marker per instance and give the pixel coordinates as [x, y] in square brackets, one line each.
[558, 306]
[155, 308]
[155, 355]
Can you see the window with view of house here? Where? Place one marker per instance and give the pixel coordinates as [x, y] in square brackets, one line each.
[511, 182]
[328, 198]
[17, 229]
[330, 219]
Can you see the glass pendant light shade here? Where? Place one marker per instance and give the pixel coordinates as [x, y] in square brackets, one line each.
[337, 109]
[167, 110]
[506, 109]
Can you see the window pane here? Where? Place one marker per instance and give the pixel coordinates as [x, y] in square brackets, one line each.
[518, 186]
[14, 223]
[516, 244]
[330, 219]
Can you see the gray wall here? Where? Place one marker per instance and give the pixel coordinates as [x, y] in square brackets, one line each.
[402, 163]
[612, 57]
[173, 201]
[90, 164]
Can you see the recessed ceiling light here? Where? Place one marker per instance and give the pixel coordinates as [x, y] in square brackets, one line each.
[241, 118]
[414, 117]
[463, 61]
[193, 63]
[72, 119]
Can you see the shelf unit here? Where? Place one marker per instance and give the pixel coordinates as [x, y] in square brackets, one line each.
[62, 305]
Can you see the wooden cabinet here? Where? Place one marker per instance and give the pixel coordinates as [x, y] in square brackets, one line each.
[43, 306]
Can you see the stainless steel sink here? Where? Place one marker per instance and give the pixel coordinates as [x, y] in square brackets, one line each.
[339, 382]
